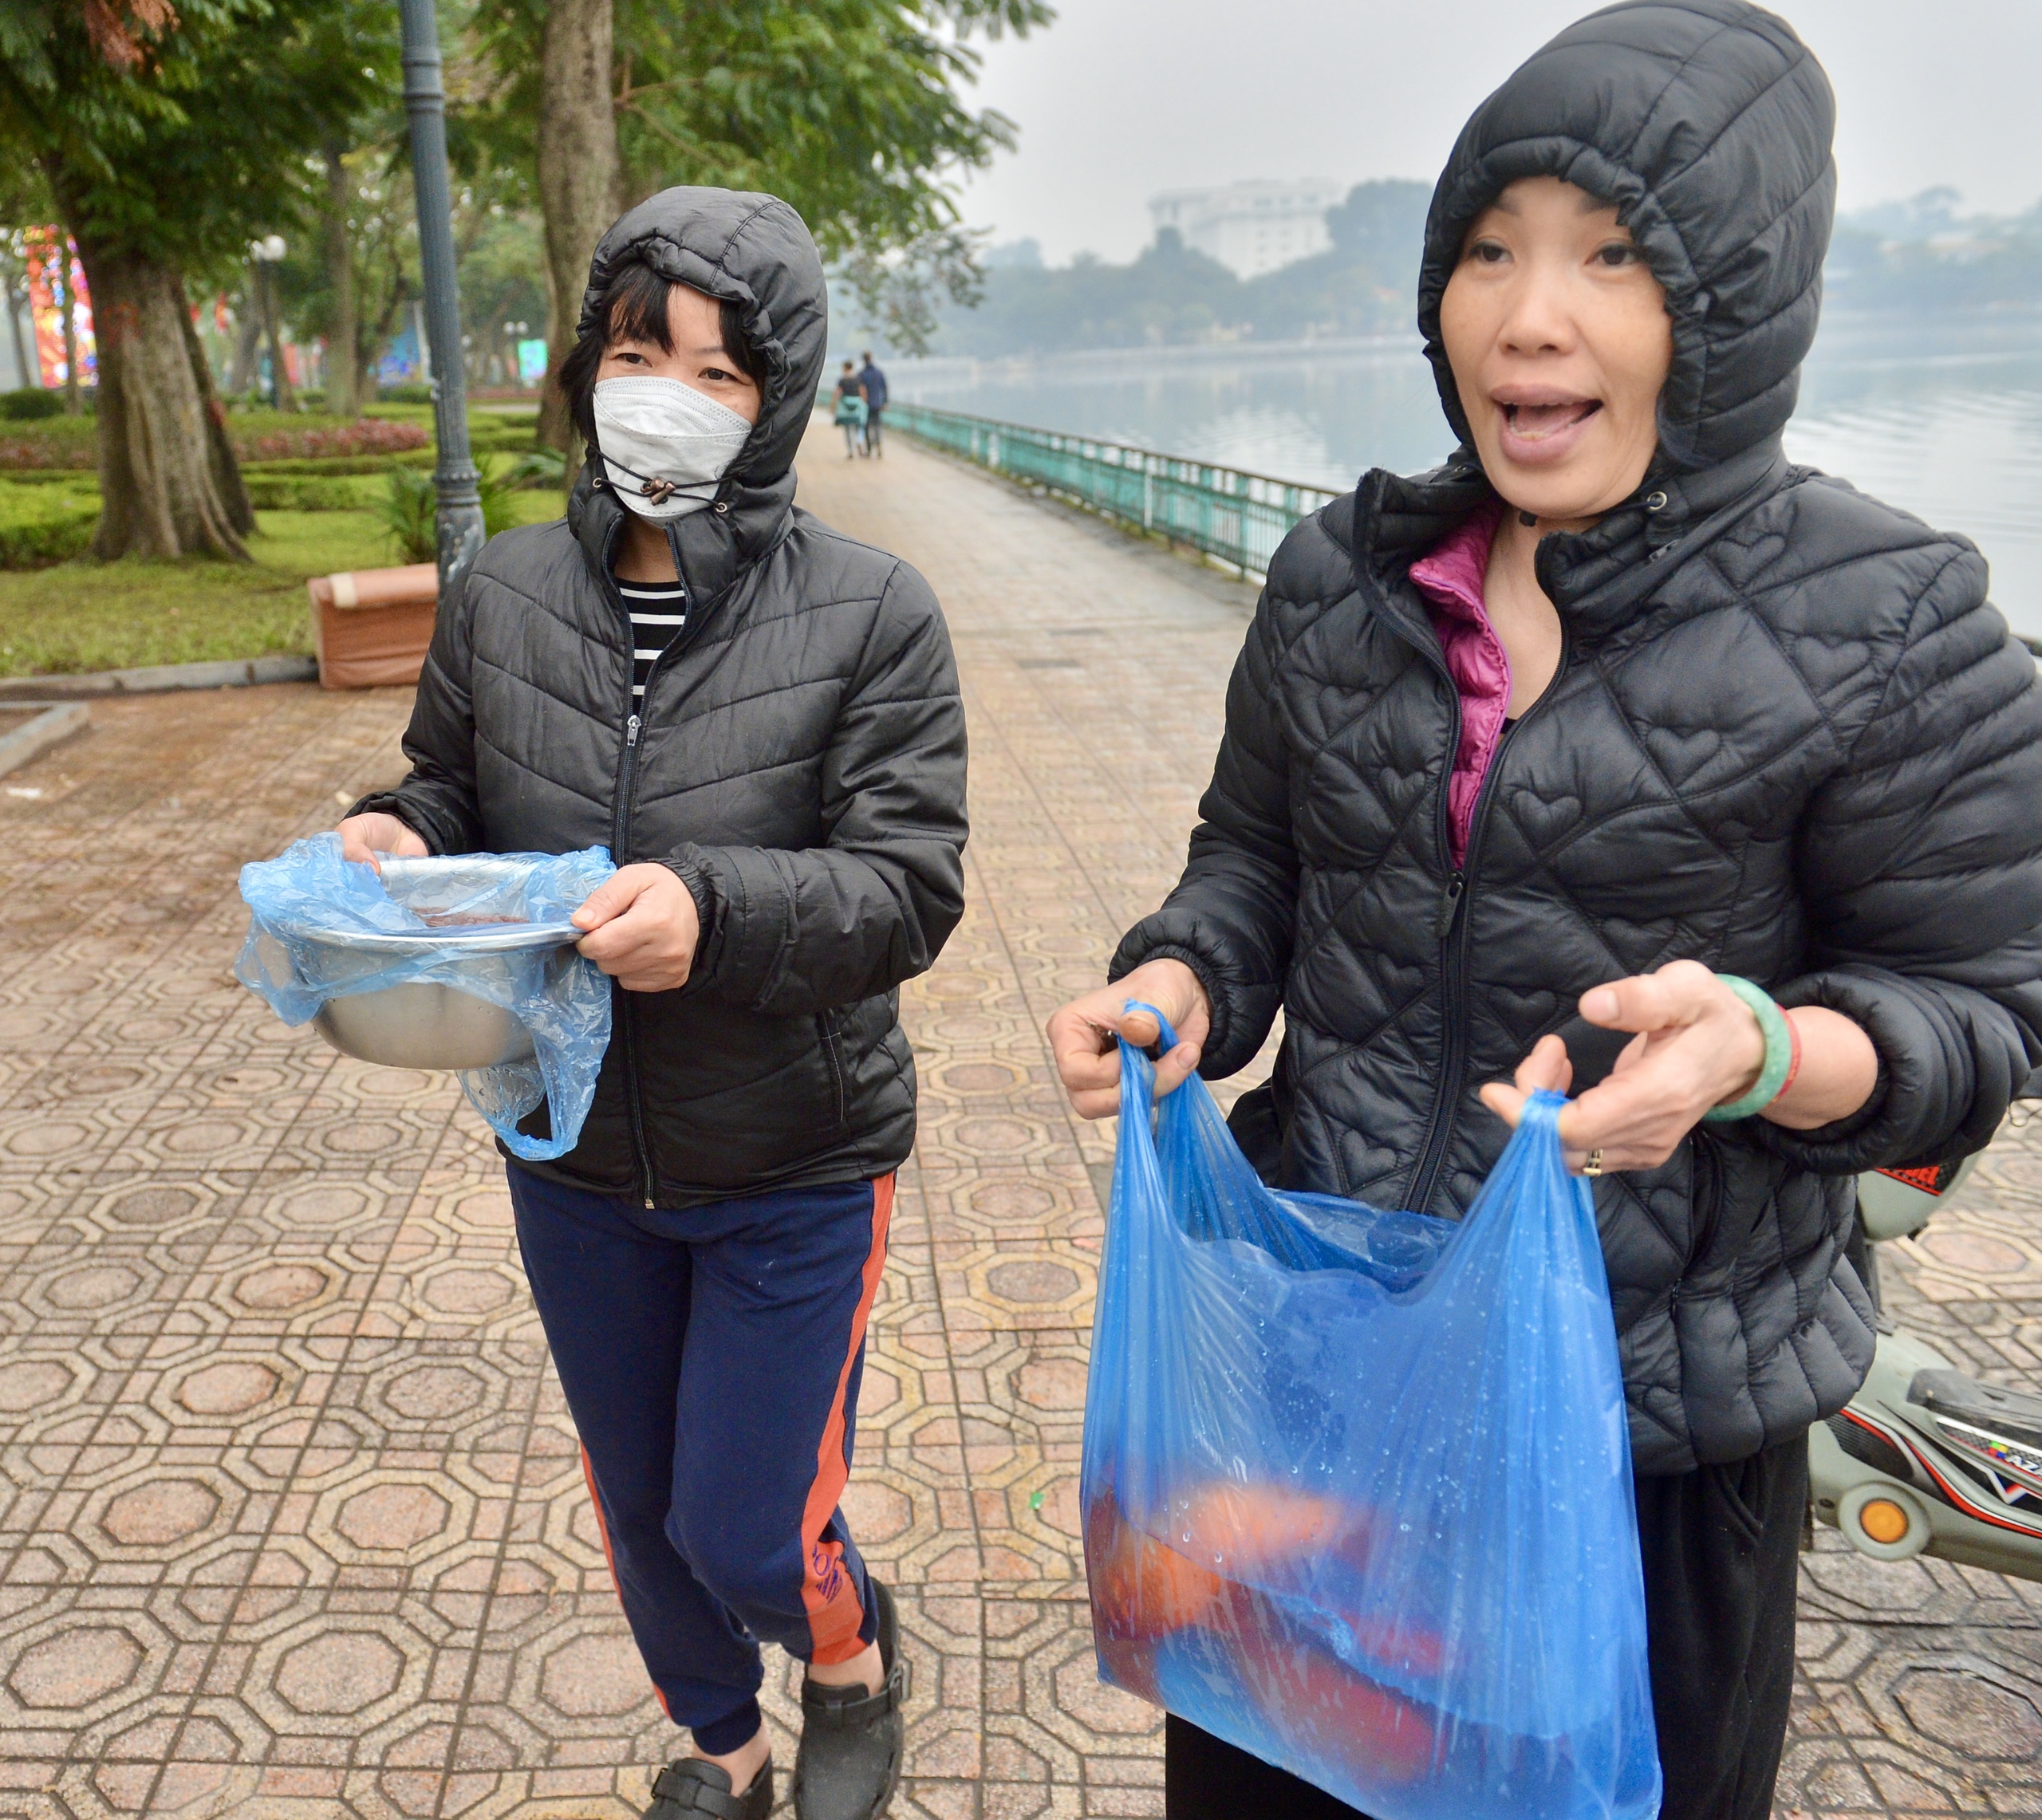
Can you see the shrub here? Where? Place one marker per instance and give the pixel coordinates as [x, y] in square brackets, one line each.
[364, 435]
[31, 404]
[41, 524]
[405, 392]
[408, 511]
[409, 508]
[540, 470]
[69, 441]
[288, 493]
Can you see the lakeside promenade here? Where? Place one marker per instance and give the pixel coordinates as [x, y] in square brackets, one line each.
[291, 1519]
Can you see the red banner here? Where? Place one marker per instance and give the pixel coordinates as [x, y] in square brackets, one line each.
[48, 278]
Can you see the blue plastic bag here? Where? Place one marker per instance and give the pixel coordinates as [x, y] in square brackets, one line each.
[1356, 1485]
[306, 903]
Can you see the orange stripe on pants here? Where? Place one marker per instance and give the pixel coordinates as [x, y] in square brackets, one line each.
[836, 1613]
[609, 1554]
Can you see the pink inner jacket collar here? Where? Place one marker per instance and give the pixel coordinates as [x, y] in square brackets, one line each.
[1451, 577]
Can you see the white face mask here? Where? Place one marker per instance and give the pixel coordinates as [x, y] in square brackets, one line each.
[664, 445]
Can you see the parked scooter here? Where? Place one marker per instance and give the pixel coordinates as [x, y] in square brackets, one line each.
[1926, 1459]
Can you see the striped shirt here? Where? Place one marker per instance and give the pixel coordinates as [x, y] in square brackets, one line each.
[658, 610]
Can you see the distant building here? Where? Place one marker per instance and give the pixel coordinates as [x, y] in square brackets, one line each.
[1251, 228]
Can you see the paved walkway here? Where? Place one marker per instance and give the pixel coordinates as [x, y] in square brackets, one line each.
[290, 1520]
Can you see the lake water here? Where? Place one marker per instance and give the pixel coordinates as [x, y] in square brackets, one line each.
[1941, 415]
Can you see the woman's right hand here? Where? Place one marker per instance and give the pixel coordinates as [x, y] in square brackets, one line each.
[1084, 1034]
[363, 837]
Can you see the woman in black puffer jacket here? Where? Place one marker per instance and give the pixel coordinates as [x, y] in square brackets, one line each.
[1525, 756]
[760, 718]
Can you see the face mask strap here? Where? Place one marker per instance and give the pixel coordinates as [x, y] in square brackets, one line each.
[653, 488]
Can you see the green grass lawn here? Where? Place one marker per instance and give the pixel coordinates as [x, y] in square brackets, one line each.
[83, 615]
[79, 615]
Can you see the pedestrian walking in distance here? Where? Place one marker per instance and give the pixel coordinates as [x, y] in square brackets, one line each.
[871, 381]
[760, 718]
[1620, 754]
[852, 413]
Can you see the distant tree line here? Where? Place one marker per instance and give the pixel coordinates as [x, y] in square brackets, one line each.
[1923, 255]
[1171, 295]
[1916, 255]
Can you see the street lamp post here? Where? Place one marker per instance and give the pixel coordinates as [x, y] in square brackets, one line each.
[455, 478]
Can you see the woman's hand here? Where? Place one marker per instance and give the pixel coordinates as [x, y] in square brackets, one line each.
[1698, 1046]
[1084, 1035]
[643, 927]
[363, 837]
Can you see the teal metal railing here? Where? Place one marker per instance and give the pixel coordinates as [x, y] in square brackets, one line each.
[1238, 517]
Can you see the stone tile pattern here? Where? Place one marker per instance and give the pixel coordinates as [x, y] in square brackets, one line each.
[291, 1521]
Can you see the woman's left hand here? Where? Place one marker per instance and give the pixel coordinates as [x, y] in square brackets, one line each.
[643, 927]
[1698, 1044]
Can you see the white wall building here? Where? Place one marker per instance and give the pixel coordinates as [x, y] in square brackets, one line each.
[1253, 227]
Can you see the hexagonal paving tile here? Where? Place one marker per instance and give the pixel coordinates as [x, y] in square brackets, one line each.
[79, 1667]
[339, 1673]
[393, 1516]
[160, 1511]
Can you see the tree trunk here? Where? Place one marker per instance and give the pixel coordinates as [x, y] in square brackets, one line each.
[220, 457]
[578, 177]
[156, 457]
[343, 356]
[280, 392]
[243, 370]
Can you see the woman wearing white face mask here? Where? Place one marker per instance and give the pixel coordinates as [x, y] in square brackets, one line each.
[760, 719]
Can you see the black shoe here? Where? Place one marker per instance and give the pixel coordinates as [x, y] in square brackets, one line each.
[692, 1787]
[851, 1741]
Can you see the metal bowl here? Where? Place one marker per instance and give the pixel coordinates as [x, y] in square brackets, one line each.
[430, 1023]
[423, 1024]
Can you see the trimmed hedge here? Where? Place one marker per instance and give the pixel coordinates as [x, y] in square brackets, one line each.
[69, 442]
[292, 493]
[30, 405]
[30, 539]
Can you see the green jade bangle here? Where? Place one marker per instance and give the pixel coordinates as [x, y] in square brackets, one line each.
[1779, 1053]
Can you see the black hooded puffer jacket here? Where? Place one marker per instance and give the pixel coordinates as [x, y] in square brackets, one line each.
[1788, 738]
[798, 761]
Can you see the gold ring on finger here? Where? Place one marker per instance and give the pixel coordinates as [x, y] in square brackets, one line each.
[1594, 1165]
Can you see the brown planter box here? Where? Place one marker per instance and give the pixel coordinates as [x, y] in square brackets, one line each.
[372, 628]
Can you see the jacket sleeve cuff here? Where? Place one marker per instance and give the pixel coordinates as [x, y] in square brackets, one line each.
[1242, 1014]
[748, 906]
[687, 866]
[1940, 1094]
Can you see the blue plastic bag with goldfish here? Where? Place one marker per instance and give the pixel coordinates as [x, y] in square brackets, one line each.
[1356, 1485]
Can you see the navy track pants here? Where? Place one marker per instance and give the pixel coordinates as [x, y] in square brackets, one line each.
[711, 1359]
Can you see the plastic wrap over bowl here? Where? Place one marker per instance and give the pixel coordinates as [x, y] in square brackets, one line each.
[465, 963]
[434, 1023]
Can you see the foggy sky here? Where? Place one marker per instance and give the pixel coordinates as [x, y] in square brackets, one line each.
[1122, 98]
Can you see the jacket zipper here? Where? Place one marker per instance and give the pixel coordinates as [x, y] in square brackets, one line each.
[1451, 926]
[619, 828]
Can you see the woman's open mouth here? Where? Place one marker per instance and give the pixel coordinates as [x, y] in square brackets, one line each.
[1538, 429]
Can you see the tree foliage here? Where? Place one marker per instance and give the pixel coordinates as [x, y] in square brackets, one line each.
[175, 134]
[853, 110]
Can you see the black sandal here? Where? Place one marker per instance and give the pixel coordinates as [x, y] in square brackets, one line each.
[693, 1787]
[851, 1741]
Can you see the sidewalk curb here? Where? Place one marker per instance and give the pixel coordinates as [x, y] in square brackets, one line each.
[231, 673]
[57, 721]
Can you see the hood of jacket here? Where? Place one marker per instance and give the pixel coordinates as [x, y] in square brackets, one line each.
[755, 251]
[1708, 122]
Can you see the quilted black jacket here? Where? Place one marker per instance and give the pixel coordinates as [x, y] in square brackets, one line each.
[798, 761]
[1788, 737]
